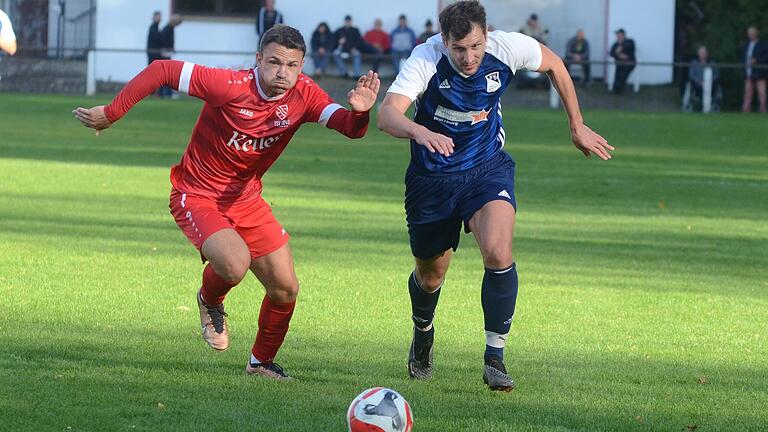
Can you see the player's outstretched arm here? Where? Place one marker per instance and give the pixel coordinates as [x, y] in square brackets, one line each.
[8, 46]
[393, 121]
[7, 36]
[584, 138]
[354, 123]
[154, 76]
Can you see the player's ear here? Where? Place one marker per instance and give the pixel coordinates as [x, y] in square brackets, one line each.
[258, 58]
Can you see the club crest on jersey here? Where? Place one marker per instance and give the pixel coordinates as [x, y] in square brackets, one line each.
[492, 82]
[282, 112]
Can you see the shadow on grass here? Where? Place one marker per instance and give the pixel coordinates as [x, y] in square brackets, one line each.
[164, 379]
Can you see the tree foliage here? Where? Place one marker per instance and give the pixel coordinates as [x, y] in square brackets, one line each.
[721, 26]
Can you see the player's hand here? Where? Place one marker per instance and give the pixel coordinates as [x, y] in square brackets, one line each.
[93, 118]
[588, 142]
[363, 96]
[434, 142]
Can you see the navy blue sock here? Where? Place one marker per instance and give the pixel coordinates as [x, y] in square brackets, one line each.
[498, 296]
[423, 306]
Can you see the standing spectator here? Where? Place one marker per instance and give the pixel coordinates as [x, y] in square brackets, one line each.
[154, 39]
[623, 50]
[577, 51]
[323, 43]
[696, 72]
[428, 32]
[267, 18]
[348, 44]
[7, 36]
[402, 40]
[534, 29]
[167, 40]
[376, 43]
[754, 53]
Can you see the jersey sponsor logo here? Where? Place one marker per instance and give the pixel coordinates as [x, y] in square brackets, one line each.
[445, 84]
[452, 117]
[480, 117]
[246, 113]
[492, 82]
[242, 142]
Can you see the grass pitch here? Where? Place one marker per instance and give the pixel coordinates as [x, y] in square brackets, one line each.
[643, 281]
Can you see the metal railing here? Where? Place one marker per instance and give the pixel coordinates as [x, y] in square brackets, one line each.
[602, 71]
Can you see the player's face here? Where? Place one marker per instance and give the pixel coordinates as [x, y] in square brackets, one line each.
[279, 68]
[467, 53]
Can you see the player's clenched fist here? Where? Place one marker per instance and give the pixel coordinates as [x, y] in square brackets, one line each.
[93, 118]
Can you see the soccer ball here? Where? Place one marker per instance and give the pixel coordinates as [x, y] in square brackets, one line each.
[379, 409]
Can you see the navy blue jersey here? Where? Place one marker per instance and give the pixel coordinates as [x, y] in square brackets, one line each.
[464, 108]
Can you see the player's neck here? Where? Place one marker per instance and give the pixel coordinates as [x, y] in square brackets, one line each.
[264, 91]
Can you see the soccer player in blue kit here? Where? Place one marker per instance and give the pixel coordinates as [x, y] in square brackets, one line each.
[459, 172]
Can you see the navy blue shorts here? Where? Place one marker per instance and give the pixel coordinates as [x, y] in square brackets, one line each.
[437, 204]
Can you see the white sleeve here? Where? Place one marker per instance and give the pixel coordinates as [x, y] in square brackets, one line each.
[416, 72]
[6, 30]
[517, 50]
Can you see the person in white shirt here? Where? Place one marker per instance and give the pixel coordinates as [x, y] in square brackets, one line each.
[7, 36]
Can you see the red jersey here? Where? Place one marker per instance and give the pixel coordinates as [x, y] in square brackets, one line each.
[378, 38]
[240, 131]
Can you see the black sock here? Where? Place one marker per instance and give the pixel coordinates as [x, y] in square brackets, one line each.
[498, 296]
[423, 306]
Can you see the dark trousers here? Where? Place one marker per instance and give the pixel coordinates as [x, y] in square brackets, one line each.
[622, 73]
[164, 91]
[585, 67]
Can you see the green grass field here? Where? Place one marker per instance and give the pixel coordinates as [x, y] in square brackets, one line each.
[643, 299]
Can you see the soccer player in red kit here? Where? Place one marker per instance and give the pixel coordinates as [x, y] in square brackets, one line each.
[247, 120]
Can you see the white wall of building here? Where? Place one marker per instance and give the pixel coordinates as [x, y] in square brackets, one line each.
[651, 24]
[123, 24]
[561, 17]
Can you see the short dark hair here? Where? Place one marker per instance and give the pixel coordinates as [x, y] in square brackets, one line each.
[456, 20]
[283, 35]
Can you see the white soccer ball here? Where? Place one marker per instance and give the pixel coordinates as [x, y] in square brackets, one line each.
[379, 409]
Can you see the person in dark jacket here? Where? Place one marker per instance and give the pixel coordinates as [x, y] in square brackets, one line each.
[577, 51]
[323, 43]
[154, 40]
[267, 18]
[348, 45]
[167, 39]
[754, 53]
[623, 50]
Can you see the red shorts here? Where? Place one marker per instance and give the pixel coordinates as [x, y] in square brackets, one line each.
[200, 217]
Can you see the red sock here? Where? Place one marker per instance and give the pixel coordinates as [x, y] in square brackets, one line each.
[273, 325]
[215, 288]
